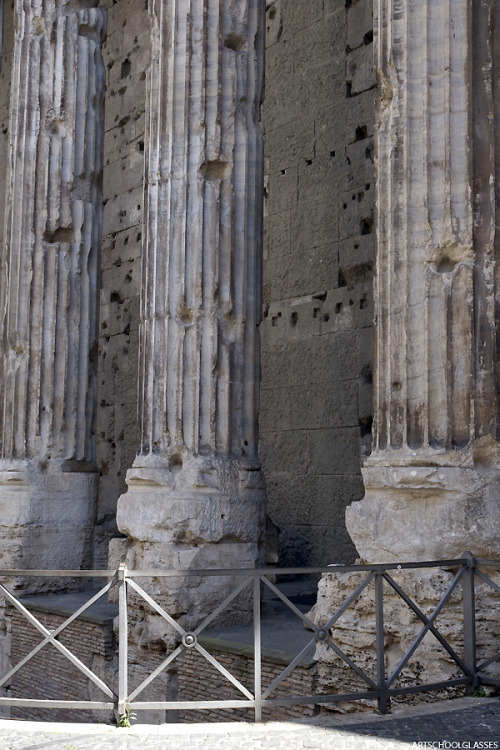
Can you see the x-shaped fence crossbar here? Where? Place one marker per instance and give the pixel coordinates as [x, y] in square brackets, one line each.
[50, 637]
[379, 687]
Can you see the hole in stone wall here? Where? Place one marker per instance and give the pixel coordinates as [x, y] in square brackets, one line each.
[326, 317]
[445, 265]
[61, 234]
[366, 226]
[234, 41]
[125, 69]
[361, 132]
[368, 37]
[367, 373]
[365, 425]
[338, 308]
[348, 90]
[294, 318]
[214, 170]
[175, 462]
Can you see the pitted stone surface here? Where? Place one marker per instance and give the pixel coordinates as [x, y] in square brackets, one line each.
[458, 723]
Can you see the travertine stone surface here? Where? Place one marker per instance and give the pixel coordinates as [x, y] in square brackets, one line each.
[196, 483]
[49, 285]
[432, 479]
[126, 56]
[316, 392]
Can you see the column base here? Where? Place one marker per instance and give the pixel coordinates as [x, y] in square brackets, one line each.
[46, 517]
[208, 514]
[418, 512]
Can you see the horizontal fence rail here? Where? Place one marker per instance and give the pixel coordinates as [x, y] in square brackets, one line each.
[467, 571]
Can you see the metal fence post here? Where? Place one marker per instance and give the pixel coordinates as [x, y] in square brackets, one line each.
[383, 703]
[257, 648]
[122, 640]
[469, 611]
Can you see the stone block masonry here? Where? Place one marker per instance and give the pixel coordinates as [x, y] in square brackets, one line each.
[126, 55]
[316, 413]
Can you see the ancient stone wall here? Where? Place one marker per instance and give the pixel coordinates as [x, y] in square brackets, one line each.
[126, 55]
[315, 418]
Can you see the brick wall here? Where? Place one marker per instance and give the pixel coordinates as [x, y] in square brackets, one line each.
[316, 397]
[49, 674]
[199, 680]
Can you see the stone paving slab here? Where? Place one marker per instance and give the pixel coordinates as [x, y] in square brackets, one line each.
[464, 724]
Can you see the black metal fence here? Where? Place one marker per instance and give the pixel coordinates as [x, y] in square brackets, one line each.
[466, 572]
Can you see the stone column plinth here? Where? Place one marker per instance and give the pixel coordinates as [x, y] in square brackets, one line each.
[433, 479]
[49, 282]
[195, 492]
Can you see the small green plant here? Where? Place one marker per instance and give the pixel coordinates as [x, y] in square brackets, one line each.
[127, 717]
[479, 693]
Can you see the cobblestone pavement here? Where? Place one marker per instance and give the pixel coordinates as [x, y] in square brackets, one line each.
[465, 723]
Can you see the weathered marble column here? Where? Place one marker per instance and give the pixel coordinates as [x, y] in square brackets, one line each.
[433, 479]
[49, 284]
[195, 493]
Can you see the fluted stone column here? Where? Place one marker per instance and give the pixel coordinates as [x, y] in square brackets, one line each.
[195, 493]
[50, 285]
[433, 479]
